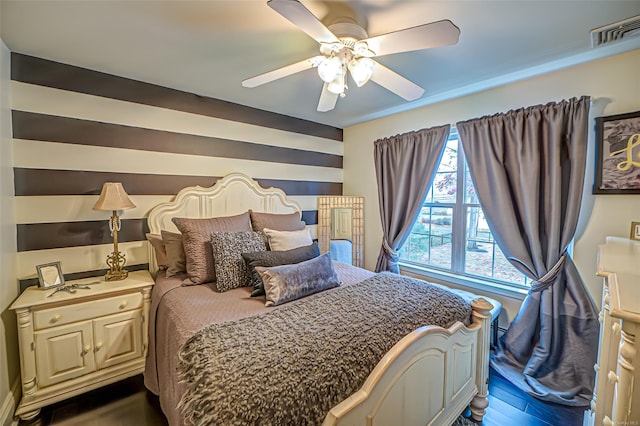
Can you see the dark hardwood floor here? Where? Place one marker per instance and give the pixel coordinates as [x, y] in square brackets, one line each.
[128, 403]
[508, 405]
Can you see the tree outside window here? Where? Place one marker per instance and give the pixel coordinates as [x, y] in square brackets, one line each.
[451, 233]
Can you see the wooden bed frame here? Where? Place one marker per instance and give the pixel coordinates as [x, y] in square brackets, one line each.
[428, 378]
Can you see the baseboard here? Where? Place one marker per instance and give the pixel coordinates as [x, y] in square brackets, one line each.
[9, 405]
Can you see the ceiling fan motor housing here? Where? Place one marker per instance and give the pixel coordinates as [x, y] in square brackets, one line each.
[348, 32]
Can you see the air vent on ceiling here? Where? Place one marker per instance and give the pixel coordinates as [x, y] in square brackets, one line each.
[624, 29]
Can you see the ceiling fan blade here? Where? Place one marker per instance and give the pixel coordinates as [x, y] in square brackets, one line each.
[327, 100]
[435, 34]
[300, 16]
[280, 72]
[396, 83]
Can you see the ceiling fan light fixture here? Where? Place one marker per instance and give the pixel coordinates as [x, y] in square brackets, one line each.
[361, 48]
[337, 86]
[361, 70]
[329, 69]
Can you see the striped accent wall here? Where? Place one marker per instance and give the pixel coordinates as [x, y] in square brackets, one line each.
[74, 129]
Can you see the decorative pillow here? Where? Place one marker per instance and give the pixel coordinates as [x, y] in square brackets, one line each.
[289, 282]
[287, 240]
[196, 235]
[274, 258]
[231, 270]
[279, 222]
[176, 260]
[161, 253]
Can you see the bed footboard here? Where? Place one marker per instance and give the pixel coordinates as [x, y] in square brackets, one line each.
[428, 378]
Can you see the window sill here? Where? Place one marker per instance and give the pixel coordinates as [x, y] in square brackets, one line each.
[466, 283]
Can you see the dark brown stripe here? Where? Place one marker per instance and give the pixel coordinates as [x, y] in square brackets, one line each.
[310, 217]
[29, 69]
[51, 128]
[72, 182]
[79, 275]
[40, 236]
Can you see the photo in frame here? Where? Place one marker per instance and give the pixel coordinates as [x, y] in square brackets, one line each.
[635, 231]
[618, 154]
[50, 275]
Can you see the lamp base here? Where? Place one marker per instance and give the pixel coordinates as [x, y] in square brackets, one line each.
[116, 275]
[116, 263]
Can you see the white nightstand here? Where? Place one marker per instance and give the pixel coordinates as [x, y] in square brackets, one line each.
[71, 343]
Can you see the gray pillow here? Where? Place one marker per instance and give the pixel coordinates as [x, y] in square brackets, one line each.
[289, 282]
[161, 252]
[196, 236]
[227, 247]
[274, 258]
[279, 222]
[176, 259]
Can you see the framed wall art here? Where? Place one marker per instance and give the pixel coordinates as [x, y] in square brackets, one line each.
[618, 154]
[635, 231]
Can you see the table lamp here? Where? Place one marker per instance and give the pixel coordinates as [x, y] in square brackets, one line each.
[113, 197]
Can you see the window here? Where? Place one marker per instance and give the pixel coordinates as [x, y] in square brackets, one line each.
[451, 233]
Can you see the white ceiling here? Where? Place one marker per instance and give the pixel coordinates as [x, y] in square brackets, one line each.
[209, 46]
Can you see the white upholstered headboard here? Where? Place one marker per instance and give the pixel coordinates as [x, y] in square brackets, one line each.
[233, 194]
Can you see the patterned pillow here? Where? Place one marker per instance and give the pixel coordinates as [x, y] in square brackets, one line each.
[279, 222]
[196, 235]
[274, 258]
[287, 240]
[231, 270]
[289, 282]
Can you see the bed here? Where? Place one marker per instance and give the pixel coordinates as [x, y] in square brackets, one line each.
[428, 376]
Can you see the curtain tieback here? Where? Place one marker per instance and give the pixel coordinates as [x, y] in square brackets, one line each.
[392, 254]
[547, 279]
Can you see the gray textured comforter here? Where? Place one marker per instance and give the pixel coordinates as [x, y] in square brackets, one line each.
[292, 365]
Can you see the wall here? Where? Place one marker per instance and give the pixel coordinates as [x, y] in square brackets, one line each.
[614, 85]
[9, 368]
[74, 129]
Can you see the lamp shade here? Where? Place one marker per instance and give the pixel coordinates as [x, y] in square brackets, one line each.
[361, 70]
[329, 68]
[113, 197]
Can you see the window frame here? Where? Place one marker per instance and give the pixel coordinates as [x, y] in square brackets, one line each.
[456, 273]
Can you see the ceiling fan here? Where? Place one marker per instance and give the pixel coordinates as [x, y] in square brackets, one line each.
[346, 46]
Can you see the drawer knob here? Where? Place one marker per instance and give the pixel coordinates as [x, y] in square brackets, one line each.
[607, 421]
[606, 299]
[98, 347]
[55, 318]
[601, 317]
[596, 367]
[612, 377]
[616, 328]
[86, 350]
[123, 305]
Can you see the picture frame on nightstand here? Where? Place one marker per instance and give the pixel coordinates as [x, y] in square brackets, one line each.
[50, 275]
[635, 231]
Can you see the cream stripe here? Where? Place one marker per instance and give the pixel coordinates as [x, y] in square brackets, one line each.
[45, 100]
[87, 258]
[51, 155]
[75, 208]
[79, 259]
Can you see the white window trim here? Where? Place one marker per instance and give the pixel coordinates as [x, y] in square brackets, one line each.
[466, 282]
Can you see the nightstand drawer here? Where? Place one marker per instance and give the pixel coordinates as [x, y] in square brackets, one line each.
[82, 311]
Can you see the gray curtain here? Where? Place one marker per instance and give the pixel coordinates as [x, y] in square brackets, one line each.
[528, 168]
[405, 165]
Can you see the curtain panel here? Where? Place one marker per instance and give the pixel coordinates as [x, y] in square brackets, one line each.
[405, 165]
[528, 169]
